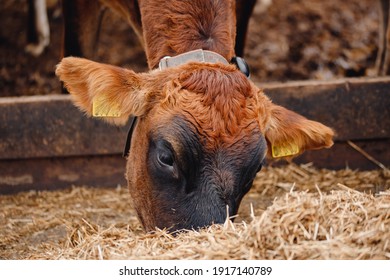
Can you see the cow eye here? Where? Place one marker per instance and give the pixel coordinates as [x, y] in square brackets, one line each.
[163, 161]
[165, 157]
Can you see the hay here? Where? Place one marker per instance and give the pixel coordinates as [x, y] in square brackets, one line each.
[292, 212]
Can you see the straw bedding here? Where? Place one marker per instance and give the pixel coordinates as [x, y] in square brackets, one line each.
[292, 212]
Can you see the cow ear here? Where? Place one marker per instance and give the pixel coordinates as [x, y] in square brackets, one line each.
[289, 134]
[103, 90]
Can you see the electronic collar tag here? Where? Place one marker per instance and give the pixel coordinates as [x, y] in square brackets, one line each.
[242, 65]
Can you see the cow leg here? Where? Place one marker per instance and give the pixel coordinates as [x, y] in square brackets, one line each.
[38, 31]
[244, 9]
[82, 21]
[383, 57]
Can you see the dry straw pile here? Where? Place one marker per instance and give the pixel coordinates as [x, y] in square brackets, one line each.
[292, 212]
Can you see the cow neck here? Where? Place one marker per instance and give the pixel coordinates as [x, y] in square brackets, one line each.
[192, 56]
[176, 27]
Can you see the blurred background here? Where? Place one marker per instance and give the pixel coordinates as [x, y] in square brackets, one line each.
[287, 40]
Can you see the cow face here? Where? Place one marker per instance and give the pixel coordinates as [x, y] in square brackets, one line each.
[191, 179]
[202, 134]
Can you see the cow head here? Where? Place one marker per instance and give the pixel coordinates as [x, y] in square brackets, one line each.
[202, 134]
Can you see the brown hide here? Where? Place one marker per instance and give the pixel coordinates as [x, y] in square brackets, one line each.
[187, 25]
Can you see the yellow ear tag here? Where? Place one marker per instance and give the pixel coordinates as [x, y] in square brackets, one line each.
[285, 150]
[103, 108]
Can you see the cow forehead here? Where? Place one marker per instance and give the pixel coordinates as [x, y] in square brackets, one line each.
[186, 138]
[218, 102]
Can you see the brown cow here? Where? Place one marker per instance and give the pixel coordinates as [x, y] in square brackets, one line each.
[203, 128]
